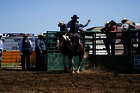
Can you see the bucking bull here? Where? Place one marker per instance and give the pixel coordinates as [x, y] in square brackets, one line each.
[71, 47]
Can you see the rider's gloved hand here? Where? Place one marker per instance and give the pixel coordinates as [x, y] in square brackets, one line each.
[89, 20]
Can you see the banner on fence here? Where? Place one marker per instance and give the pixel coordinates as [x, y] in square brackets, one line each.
[136, 64]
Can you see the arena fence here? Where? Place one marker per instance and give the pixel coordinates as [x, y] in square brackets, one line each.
[93, 42]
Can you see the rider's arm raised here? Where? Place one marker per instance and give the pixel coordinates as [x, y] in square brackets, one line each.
[81, 25]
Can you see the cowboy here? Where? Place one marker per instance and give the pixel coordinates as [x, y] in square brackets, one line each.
[127, 35]
[62, 26]
[113, 30]
[106, 41]
[110, 30]
[25, 52]
[40, 49]
[63, 30]
[1, 47]
[74, 26]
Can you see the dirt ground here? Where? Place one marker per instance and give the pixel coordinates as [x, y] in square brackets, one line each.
[59, 82]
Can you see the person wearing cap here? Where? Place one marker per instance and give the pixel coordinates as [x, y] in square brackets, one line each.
[74, 26]
[40, 49]
[110, 30]
[63, 30]
[1, 47]
[25, 51]
[62, 26]
[127, 35]
[106, 41]
[113, 30]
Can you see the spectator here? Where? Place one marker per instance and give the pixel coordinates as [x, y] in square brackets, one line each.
[25, 51]
[113, 30]
[110, 30]
[40, 53]
[1, 48]
[107, 40]
[127, 35]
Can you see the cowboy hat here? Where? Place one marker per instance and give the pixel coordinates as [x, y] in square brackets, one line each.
[107, 22]
[60, 23]
[112, 22]
[75, 17]
[124, 19]
[41, 34]
[25, 35]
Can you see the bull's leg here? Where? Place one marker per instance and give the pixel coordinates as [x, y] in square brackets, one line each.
[65, 67]
[79, 65]
[71, 64]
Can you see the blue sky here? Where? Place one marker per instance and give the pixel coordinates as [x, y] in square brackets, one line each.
[38, 16]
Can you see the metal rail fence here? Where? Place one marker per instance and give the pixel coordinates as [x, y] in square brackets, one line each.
[93, 42]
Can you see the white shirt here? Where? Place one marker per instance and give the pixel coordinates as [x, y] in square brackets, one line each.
[1, 44]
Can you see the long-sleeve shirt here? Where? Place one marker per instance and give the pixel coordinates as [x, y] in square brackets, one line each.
[114, 28]
[1, 44]
[21, 46]
[40, 44]
[74, 26]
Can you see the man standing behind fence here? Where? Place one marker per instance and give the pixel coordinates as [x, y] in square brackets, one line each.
[113, 30]
[107, 39]
[127, 35]
[110, 29]
[25, 51]
[40, 53]
[1, 48]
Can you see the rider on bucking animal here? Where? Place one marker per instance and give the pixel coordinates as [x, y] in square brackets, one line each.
[74, 26]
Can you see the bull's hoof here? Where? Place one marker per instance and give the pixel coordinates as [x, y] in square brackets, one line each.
[73, 72]
[78, 71]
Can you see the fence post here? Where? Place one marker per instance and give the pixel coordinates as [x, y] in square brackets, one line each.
[94, 43]
[46, 50]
